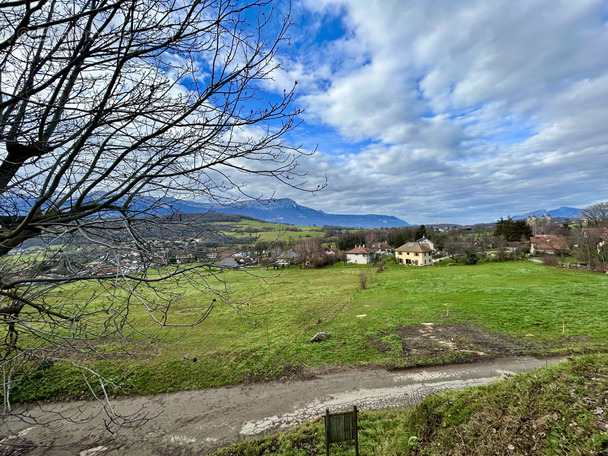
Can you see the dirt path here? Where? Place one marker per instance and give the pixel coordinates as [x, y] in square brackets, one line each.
[199, 422]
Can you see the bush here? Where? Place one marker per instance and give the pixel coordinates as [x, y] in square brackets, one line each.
[363, 280]
[470, 258]
[550, 260]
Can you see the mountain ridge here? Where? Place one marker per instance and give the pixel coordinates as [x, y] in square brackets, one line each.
[285, 210]
[563, 212]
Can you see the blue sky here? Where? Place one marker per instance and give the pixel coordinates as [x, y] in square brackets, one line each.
[443, 111]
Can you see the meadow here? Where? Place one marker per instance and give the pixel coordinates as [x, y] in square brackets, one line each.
[268, 231]
[493, 309]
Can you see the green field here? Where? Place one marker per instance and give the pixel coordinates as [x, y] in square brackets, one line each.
[269, 232]
[494, 309]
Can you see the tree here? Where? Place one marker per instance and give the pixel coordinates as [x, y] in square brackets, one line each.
[589, 246]
[311, 252]
[371, 237]
[399, 236]
[502, 250]
[455, 247]
[596, 214]
[110, 111]
[462, 249]
[470, 258]
[420, 232]
[513, 230]
[347, 241]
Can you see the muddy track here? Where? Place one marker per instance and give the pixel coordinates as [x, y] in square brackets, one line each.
[199, 422]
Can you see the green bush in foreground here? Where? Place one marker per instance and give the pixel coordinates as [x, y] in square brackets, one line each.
[557, 410]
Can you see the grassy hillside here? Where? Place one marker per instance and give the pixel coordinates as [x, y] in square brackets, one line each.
[560, 410]
[270, 232]
[495, 309]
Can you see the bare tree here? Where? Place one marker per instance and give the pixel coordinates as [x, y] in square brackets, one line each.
[110, 110]
[596, 215]
[502, 249]
[311, 252]
[371, 237]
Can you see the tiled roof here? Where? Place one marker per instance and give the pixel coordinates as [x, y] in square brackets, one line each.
[361, 251]
[596, 234]
[381, 245]
[414, 247]
[549, 242]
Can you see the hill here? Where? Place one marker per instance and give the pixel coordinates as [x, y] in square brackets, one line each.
[288, 211]
[562, 212]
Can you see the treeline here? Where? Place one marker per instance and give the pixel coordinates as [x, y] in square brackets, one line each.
[395, 237]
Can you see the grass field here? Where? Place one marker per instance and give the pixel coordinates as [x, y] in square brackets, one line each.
[269, 232]
[493, 308]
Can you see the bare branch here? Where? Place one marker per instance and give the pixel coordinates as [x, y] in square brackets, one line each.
[109, 111]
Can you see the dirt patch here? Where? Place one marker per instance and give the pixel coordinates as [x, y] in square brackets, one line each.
[450, 341]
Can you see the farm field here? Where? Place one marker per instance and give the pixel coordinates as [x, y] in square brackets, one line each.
[400, 319]
[268, 231]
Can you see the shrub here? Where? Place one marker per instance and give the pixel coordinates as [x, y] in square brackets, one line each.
[551, 260]
[363, 280]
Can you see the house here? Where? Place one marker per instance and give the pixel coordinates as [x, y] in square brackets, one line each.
[426, 241]
[228, 263]
[597, 236]
[360, 255]
[286, 258]
[382, 248]
[548, 243]
[414, 254]
[601, 242]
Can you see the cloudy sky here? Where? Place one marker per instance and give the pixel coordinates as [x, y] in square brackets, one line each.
[443, 111]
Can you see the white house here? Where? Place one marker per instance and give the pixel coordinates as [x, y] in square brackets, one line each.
[426, 241]
[382, 248]
[360, 255]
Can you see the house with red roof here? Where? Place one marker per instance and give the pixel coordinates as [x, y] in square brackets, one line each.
[548, 243]
[597, 236]
[360, 255]
[426, 241]
[382, 248]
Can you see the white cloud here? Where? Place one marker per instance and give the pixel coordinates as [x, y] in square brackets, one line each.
[465, 111]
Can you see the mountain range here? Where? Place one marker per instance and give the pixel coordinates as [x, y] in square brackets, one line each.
[288, 211]
[562, 212]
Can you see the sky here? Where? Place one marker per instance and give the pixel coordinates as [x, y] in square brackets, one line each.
[449, 112]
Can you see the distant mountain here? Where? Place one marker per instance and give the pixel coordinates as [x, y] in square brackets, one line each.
[562, 212]
[273, 210]
[288, 211]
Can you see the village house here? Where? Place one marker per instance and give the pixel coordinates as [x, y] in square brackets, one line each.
[426, 241]
[597, 236]
[414, 254]
[382, 248]
[286, 258]
[550, 244]
[228, 263]
[360, 255]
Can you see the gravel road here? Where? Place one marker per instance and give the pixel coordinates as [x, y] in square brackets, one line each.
[199, 422]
